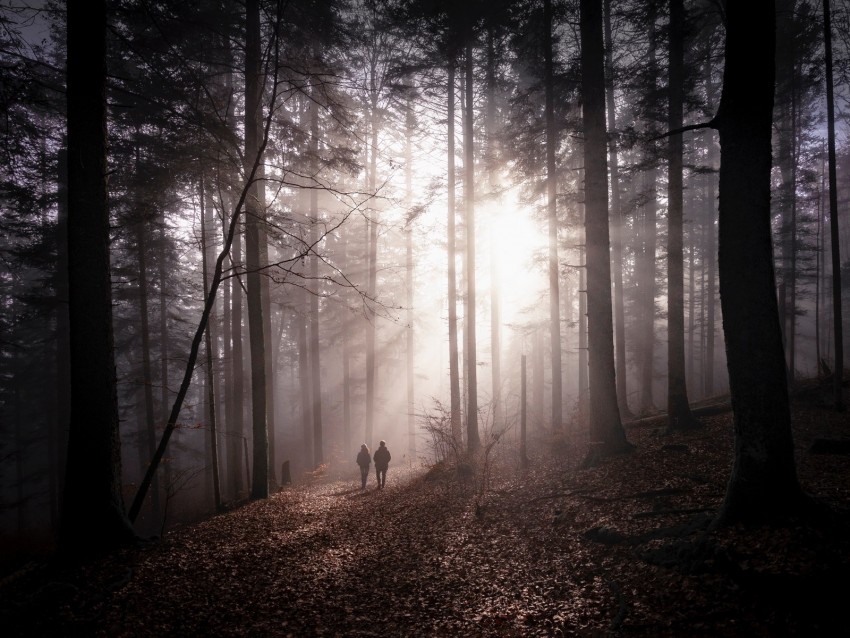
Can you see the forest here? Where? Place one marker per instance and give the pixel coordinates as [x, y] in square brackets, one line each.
[556, 255]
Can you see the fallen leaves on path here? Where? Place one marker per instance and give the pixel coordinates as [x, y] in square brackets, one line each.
[622, 548]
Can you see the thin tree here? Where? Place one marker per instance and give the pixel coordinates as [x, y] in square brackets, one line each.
[838, 372]
[617, 219]
[678, 410]
[552, 216]
[451, 250]
[473, 441]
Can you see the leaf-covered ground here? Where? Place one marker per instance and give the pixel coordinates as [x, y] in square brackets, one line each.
[620, 549]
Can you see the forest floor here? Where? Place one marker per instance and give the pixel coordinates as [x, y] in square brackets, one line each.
[619, 549]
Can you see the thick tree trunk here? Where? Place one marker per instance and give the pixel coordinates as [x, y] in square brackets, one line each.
[605, 426]
[763, 484]
[93, 517]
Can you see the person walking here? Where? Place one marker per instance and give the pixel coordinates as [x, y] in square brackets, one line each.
[364, 460]
[382, 462]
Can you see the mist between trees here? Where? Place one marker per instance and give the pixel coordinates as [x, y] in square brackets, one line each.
[329, 223]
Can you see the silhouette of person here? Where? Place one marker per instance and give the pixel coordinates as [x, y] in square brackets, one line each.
[382, 462]
[364, 460]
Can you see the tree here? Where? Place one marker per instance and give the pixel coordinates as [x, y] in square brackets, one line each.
[93, 516]
[253, 211]
[763, 484]
[605, 426]
[838, 373]
[678, 409]
[616, 219]
[551, 202]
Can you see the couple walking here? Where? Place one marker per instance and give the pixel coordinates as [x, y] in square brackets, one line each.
[382, 461]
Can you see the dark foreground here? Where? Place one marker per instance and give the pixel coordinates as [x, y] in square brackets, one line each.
[622, 549]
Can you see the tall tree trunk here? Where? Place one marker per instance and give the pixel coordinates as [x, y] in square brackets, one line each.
[763, 484]
[523, 418]
[495, 283]
[408, 284]
[314, 290]
[454, 372]
[373, 276]
[833, 216]
[346, 360]
[149, 436]
[617, 220]
[552, 215]
[710, 249]
[678, 409]
[93, 517]
[473, 442]
[304, 378]
[253, 212]
[237, 426]
[647, 268]
[605, 426]
[583, 382]
[59, 439]
[209, 340]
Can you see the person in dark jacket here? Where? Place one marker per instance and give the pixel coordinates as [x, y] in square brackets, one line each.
[382, 462]
[364, 460]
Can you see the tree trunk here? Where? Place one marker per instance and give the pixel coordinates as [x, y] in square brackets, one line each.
[314, 290]
[605, 426]
[253, 213]
[617, 220]
[838, 372]
[408, 250]
[678, 409]
[372, 260]
[93, 517]
[473, 442]
[454, 372]
[495, 283]
[552, 215]
[763, 485]
[209, 340]
[149, 435]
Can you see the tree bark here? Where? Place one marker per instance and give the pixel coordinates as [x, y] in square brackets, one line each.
[454, 372]
[314, 291]
[473, 442]
[552, 215]
[605, 425]
[253, 213]
[617, 220]
[763, 485]
[93, 517]
[678, 409]
[838, 372]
